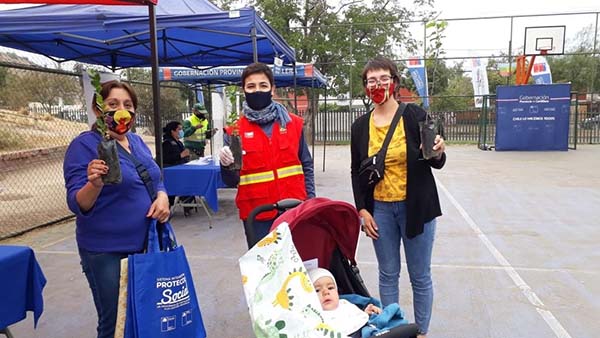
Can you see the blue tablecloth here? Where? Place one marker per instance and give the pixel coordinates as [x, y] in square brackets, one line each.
[194, 180]
[21, 285]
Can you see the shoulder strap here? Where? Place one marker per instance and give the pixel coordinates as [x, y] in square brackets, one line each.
[141, 170]
[390, 133]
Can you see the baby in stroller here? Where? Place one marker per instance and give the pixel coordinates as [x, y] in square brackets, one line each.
[343, 312]
[325, 232]
[342, 315]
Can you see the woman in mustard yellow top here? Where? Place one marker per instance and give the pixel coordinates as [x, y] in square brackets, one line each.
[403, 206]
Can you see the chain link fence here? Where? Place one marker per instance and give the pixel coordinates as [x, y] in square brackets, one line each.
[41, 111]
[474, 125]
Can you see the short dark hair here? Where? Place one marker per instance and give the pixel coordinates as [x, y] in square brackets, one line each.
[380, 62]
[172, 125]
[110, 85]
[256, 68]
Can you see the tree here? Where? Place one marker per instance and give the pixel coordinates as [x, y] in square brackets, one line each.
[581, 70]
[458, 94]
[437, 72]
[173, 98]
[22, 87]
[340, 40]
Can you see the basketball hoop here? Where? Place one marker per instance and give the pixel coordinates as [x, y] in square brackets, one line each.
[547, 40]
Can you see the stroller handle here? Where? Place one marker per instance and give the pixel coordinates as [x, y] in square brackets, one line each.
[282, 205]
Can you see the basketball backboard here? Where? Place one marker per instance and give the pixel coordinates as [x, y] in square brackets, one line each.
[545, 40]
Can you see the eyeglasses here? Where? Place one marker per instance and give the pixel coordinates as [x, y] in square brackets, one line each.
[384, 79]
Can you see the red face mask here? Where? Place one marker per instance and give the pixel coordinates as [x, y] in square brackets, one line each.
[381, 93]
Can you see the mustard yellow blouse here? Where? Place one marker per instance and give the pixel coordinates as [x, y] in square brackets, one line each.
[393, 186]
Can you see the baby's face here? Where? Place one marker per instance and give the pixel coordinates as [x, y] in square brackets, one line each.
[328, 294]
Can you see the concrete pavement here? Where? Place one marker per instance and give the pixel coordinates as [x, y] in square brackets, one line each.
[516, 252]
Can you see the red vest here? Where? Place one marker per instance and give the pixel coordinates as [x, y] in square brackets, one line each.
[271, 169]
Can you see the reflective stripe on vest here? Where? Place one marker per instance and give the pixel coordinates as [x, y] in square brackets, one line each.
[264, 176]
[289, 171]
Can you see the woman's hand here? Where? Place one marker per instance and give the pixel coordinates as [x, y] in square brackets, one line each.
[368, 224]
[439, 145]
[372, 309]
[159, 210]
[95, 170]
[185, 153]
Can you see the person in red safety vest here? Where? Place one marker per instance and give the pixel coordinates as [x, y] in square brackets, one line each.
[276, 162]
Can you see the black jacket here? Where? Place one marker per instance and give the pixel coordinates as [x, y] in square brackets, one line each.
[171, 149]
[422, 201]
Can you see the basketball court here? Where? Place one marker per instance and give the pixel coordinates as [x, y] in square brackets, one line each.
[516, 252]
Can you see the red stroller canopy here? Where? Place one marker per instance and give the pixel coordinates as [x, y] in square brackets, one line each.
[319, 225]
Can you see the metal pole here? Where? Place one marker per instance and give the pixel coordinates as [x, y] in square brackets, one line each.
[254, 44]
[295, 89]
[312, 118]
[575, 130]
[510, 52]
[594, 58]
[155, 85]
[324, 129]
[350, 75]
[425, 64]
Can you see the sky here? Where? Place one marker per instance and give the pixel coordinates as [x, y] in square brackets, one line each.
[469, 38]
[486, 37]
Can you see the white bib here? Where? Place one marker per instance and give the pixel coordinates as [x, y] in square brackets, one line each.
[347, 318]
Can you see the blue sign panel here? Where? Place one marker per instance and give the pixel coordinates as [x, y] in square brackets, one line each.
[306, 75]
[534, 117]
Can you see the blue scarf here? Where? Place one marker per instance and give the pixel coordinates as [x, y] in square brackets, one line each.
[272, 112]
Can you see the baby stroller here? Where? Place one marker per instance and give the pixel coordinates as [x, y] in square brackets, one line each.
[329, 231]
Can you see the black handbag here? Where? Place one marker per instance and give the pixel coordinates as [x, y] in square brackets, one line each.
[371, 169]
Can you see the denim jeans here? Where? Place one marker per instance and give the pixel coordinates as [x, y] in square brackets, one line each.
[261, 229]
[102, 271]
[391, 221]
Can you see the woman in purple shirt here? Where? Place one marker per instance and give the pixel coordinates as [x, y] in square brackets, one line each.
[112, 220]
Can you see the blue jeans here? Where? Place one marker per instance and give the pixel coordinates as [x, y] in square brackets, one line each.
[102, 271]
[261, 229]
[391, 220]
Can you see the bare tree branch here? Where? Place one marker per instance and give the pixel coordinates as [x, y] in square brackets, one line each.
[346, 5]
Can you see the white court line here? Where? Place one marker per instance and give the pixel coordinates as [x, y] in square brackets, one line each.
[547, 315]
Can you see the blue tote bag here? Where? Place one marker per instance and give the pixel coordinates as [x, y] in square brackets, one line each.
[161, 299]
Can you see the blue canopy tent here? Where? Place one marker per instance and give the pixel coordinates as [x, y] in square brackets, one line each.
[306, 75]
[188, 33]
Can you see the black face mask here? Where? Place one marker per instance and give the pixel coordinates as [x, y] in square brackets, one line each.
[258, 100]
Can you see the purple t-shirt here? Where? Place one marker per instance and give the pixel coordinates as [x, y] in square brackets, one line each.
[117, 222]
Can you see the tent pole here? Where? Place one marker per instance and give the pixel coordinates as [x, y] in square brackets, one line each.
[324, 131]
[312, 117]
[295, 91]
[155, 85]
[254, 44]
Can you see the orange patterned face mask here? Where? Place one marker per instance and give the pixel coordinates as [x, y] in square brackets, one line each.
[119, 121]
